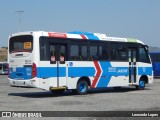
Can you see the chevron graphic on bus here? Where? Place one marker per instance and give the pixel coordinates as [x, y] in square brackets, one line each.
[98, 74]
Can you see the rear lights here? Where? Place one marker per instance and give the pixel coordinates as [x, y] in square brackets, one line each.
[34, 70]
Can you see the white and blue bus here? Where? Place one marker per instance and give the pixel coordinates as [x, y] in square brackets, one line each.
[77, 61]
[4, 68]
[155, 57]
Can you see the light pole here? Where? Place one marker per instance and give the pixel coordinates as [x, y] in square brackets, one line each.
[19, 12]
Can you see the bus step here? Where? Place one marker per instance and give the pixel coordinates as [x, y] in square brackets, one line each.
[58, 88]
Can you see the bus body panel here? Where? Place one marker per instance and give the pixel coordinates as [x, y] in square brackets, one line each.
[48, 73]
[155, 56]
[145, 69]
[21, 68]
[156, 68]
[67, 74]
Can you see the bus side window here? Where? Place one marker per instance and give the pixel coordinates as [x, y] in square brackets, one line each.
[103, 52]
[122, 53]
[118, 52]
[83, 54]
[113, 52]
[93, 50]
[74, 53]
[98, 52]
[44, 55]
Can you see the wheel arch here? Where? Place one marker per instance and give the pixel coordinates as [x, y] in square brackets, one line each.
[145, 78]
[86, 79]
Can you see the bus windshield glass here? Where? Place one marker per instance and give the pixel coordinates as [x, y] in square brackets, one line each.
[23, 43]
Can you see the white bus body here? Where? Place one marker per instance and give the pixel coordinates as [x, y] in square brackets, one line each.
[77, 60]
[4, 68]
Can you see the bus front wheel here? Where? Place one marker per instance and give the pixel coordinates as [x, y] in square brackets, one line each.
[141, 85]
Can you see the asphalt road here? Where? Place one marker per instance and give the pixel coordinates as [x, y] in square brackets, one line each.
[33, 99]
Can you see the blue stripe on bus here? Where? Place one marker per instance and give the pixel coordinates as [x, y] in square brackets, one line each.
[72, 71]
[90, 37]
[107, 71]
[144, 70]
[21, 73]
[81, 71]
[50, 72]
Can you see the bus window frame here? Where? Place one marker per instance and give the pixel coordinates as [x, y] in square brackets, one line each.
[146, 53]
[117, 46]
[11, 43]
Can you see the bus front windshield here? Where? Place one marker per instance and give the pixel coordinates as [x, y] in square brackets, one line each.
[23, 43]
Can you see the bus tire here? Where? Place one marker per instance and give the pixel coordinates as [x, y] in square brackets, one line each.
[82, 87]
[141, 85]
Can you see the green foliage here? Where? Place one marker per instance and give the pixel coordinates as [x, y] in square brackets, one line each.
[3, 55]
[3, 58]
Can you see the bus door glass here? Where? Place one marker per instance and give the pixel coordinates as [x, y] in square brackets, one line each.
[58, 58]
[132, 57]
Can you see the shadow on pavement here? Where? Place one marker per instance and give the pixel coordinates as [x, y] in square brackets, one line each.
[46, 94]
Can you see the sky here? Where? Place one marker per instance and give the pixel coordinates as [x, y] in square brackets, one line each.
[138, 19]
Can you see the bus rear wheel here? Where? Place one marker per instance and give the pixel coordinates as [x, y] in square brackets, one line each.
[82, 87]
[141, 85]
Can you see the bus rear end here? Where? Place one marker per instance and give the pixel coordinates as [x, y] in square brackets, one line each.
[20, 59]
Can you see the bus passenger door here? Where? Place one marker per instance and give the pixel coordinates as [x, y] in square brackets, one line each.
[132, 57]
[58, 59]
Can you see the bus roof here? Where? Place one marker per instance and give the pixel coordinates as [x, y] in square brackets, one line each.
[80, 35]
